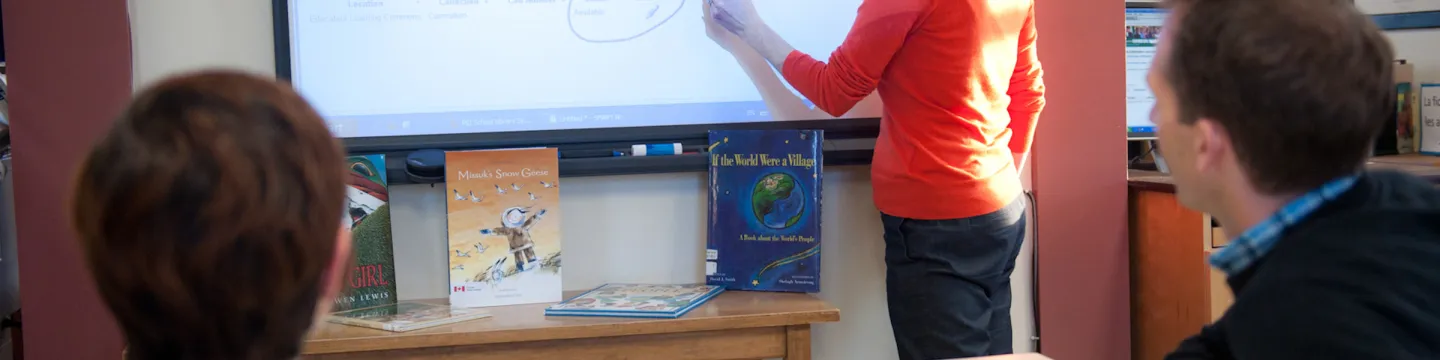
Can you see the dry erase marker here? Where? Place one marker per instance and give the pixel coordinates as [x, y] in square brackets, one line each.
[655, 149]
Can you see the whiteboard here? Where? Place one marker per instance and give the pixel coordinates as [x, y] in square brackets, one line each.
[1430, 119]
[1378, 7]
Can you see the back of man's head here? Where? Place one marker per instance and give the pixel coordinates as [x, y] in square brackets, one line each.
[1301, 87]
[210, 216]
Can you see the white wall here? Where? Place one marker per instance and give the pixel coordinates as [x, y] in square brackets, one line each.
[1419, 47]
[663, 245]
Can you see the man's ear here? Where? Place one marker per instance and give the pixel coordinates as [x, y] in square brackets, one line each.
[1212, 144]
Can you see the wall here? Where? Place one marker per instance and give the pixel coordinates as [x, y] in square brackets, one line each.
[69, 74]
[1080, 182]
[664, 245]
[1419, 48]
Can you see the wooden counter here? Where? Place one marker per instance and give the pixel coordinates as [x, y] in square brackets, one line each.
[1427, 167]
[1173, 291]
[733, 325]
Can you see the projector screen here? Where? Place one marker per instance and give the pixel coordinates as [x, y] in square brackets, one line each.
[1142, 33]
[424, 67]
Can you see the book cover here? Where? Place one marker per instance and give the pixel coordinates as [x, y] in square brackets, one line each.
[1429, 132]
[637, 300]
[371, 282]
[764, 225]
[503, 212]
[406, 316]
[1404, 119]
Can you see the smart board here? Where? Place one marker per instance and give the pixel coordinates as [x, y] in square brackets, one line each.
[388, 68]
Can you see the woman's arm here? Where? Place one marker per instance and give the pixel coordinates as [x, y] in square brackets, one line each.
[782, 104]
[853, 70]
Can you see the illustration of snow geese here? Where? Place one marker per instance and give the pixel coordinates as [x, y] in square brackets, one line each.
[499, 189]
[480, 248]
[459, 253]
[533, 197]
[546, 184]
[514, 186]
[458, 267]
[475, 198]
[458, 197]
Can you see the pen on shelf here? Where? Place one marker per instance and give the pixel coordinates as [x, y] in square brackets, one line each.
[590, 154]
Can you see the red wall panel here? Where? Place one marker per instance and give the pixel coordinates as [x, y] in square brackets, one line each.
[1080, 182]
[68, 64]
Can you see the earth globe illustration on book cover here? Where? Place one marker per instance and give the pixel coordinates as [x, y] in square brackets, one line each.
[777, 202]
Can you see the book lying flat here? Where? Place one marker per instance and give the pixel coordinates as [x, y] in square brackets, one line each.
[406, 316]
[666, 301]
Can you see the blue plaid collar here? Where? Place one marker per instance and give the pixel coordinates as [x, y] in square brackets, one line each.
[1257, 241]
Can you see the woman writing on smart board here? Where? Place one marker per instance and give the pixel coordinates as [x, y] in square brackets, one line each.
[782, 104]
[961, 85]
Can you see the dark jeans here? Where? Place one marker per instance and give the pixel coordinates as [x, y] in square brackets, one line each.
[948, 282]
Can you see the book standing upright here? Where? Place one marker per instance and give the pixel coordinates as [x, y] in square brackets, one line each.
[371, 282]
[1407, 110]
[503, 219]
[764, 216]
[1430, 119]
[1404, 118]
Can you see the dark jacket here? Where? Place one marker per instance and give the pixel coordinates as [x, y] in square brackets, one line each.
[1357, 279]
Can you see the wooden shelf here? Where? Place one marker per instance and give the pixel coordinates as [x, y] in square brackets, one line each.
[742, 311]
[1423, 166]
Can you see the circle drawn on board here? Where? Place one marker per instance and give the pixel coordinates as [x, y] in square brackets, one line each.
[619, 20]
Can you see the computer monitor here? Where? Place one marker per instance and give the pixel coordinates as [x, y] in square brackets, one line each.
[1142, 33]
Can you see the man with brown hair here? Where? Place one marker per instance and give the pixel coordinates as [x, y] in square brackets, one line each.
[210, 216]
[1267, 111]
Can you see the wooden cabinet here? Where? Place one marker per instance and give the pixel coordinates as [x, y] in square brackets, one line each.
[1220, 295]
[1173, 291]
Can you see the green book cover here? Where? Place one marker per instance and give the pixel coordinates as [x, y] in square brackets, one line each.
[371, 281]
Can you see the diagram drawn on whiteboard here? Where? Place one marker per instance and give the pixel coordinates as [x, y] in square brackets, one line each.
[618, 20]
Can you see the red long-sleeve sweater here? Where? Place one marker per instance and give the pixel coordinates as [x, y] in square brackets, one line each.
[962, 89]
